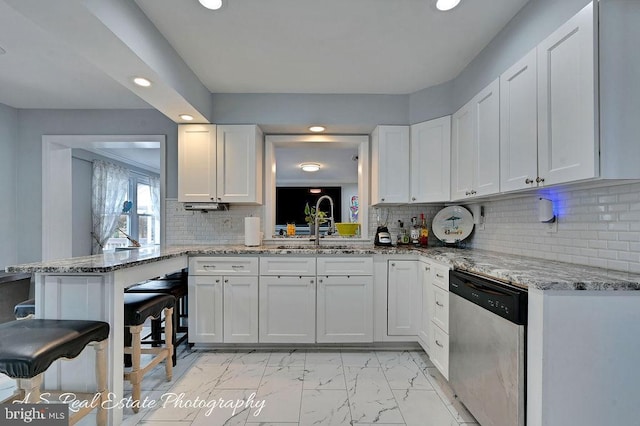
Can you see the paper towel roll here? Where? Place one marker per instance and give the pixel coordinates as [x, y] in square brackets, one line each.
[251, 231]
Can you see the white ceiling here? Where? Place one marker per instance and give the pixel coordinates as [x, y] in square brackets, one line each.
[66, 53]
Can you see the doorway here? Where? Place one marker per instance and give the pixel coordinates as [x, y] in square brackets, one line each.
[57, 193]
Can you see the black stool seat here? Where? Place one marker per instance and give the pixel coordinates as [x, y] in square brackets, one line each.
[29, 347]
[140, 306]
[176, 288]
[24, 309]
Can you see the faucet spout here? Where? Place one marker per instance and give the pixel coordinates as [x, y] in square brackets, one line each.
[317, 218]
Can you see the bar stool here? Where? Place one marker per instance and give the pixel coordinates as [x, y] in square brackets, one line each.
[29, 347]
[178, 288]
[25, 310]
[137, 308]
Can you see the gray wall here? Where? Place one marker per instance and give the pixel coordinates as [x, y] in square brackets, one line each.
[32, 124]
[8, 141]
[358, 112]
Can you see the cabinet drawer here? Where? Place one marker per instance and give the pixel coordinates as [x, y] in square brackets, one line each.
[345, 266]
[440, 350]
[441, 276]
[440, 308]
[223, 266]
[286, 265]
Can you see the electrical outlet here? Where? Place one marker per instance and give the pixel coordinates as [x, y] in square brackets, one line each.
[552, 227]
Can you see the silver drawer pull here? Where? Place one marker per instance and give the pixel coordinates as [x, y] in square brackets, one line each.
[208, 266]
[439, 344]
[439, 276]
[439, 304]
[426, 268]
[237, 266]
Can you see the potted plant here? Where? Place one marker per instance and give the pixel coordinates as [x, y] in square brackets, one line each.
[310, 218]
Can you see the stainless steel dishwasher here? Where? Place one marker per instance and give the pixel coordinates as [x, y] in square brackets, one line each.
[487, 348]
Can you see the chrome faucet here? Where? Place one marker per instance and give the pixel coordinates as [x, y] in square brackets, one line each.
[317, 219]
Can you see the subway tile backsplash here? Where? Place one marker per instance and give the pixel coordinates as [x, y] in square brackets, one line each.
[597, 227]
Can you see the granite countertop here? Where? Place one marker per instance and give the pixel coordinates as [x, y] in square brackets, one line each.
[522, 271]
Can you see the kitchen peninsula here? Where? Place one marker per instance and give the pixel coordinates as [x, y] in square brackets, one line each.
[578, 316]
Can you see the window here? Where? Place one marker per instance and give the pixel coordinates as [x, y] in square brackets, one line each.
[140, 218]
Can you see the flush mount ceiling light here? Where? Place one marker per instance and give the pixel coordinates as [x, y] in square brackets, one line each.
[186, 117]
[316, 129]
[142, 82]
[310, 167]
[445, 5]
[315, 190]
[211, 4]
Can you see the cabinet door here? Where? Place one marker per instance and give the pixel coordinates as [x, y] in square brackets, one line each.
[440, 350]
[287, 309]
[567, 144]
[519, 125]
[390, 165]
[239, 152]
[403, 298]
[240, 309]
[197, 163]
[486, 106]
[205, 309]
[425, 272]
[430, 161]
[462, 152]
[345, 309]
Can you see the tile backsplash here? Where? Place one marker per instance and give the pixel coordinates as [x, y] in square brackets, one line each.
[597, 227]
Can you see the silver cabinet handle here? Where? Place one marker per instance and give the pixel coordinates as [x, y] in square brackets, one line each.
[320, 281]
[528, 181]
[439, 344]
[467, 193]
[208, 267]
[539, 179]
[217, 281]
[237, 266]
[311, 281]
[381, 199]
[393, 264]
[439, 304]
[473, 192]
[226, 281]
[413, 198]
[439, 276]
[426, 268]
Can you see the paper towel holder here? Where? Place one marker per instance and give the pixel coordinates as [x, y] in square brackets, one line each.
[545, 211]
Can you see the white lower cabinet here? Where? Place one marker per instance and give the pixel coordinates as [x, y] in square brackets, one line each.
[424, 327]
[223, 308]
[403, 298]
[287, 309]
[433, 331]
[345, 309]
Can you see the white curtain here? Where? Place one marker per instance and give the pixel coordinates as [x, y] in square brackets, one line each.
[110, 186]
[154, 184]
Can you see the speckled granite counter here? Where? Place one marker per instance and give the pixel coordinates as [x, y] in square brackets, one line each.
[518, 270]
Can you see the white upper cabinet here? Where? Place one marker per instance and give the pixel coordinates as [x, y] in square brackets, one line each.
[239, 154]
[389, 165]
[567, 144]
[430, 161]
[519, 125]
[197, 163]
[220, 163]
[475, 145]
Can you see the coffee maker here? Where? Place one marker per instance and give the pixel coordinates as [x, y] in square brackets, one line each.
[382, 238]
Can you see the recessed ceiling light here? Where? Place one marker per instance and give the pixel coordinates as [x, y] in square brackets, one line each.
[211, 4]
[186, 117]
[445, 5]
[316, 129]
[310, 167]
[142, 82]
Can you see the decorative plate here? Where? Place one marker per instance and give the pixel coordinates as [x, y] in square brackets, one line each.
[452, 224]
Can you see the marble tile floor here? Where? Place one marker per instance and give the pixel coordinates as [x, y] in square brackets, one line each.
[298, 387]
